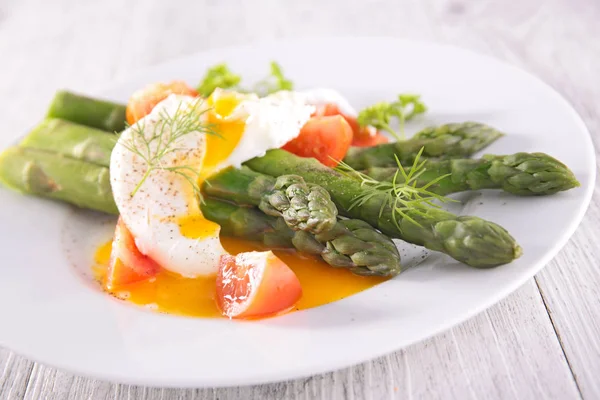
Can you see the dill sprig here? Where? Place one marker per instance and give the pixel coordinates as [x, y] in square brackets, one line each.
[402, 194]
[170, 128]
[380, 115]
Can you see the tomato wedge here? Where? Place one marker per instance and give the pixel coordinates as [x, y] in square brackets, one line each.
[255, 284]
[358, 133]
[127, 263]
[143, 101]
[369, 141]
[325, 138]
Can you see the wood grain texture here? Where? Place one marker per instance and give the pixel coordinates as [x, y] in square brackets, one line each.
[541, 342]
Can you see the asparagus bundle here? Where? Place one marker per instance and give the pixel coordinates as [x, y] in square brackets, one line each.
[464, 238]
[51, 175]
[456, 140]
[524, 174]
[468, 239]
[95, 113]
[350, 244]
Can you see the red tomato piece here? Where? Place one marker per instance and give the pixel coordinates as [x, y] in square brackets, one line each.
[255, 284]
[325, 138]
[359, 133]
[144, 100]
[127, 263]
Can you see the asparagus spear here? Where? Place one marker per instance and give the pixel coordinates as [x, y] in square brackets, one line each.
[471, 240]
[524, 174]
[88, 111]
[302, 206]
[74, 140]
[47, 174]
[350, 244]
[456, 140]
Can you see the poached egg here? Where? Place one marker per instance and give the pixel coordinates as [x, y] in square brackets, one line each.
[157, 200]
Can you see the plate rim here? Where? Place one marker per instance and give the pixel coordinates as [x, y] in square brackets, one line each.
[442, 327]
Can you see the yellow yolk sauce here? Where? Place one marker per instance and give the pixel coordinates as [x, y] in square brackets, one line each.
[321, 283]
[197, 227]
[166, 292]
[173, 294]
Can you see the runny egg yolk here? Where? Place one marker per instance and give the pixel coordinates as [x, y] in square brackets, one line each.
[218, 147]
[197, 227]
[228, 132]
[174, 294]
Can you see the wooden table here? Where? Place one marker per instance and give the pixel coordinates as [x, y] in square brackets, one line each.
[543, 341]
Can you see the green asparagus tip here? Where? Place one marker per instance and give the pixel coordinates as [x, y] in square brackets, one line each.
[476, 242]
[518, 251]
[3, 180]
[531, 174]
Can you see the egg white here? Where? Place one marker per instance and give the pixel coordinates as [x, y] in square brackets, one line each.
[324, 96]
[164, 198]
[152, 213]
[271, 122]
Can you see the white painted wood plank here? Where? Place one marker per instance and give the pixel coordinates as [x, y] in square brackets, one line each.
[562, 51]
[15, 373]
[572, 295]
[506, 352]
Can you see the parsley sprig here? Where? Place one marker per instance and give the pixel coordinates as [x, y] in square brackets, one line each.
[275, 82]
[220, 76]
[380, 115]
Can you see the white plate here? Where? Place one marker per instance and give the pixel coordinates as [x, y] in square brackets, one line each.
[52, 311]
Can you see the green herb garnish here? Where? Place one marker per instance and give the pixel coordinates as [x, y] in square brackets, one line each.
[153, 147]
[219, 76]
[274, 82]
[402, 192]
[380, 115]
